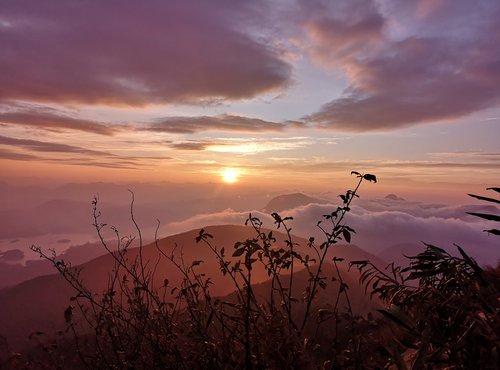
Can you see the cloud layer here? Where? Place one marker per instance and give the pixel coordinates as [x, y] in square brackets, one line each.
[225, 122]
[380, 224]
[133, 53]
[406, 62]
[34, 150]
[47, 118]
[47, 147]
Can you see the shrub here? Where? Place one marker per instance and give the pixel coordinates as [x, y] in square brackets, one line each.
[135, 324]
[445, 309]
[441, 312]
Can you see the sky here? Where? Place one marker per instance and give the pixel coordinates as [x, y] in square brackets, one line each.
[293, 93]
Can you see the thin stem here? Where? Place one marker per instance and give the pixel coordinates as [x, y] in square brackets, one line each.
[331, 239]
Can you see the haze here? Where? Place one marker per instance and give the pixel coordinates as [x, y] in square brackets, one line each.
[208, 110]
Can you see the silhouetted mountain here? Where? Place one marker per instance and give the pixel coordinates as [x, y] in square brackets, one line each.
[289, 201]
[11, 255]
[360, 302]
[28, 212]
[38, 304]
[15, 273]
[396, 253]
[394, 197]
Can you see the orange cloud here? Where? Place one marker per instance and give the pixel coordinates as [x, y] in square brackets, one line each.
[225, 122]
[49, 119]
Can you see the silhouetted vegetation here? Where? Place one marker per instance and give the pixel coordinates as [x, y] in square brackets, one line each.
[488, 216]
[440, 312]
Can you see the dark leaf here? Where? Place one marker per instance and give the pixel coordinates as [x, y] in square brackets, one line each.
[470, 261]
[436, 249]
[493, 231]
[238, 252]
[68, 314]
[360, 262]
[370, 177]
[486, 216]
[484, 198]
[196, 263]
[397, 316]
[347, 235]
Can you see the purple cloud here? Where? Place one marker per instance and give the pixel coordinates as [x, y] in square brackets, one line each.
[89, 157]
[341, 30]
[188, 125]
[49, 119]
[15, 156]
[190, 145]
[48, 147]
[403, 222]
[408, 64]
[133, 53]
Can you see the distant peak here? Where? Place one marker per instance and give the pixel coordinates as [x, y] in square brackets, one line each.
[394, 197]
[289, 201]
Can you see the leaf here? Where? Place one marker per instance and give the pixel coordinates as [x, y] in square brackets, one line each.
[494, 189]
[347, 235]
[202, 235]
[484, 198]
[493, 231]
[277, 218]
[68, 314]
[196, 263]
[478, 270]
[370, 177]
[360, 262]
[355, 173]
[486, 216]
[238, 252]
[398, 316]
[434, 248]
[422, 274]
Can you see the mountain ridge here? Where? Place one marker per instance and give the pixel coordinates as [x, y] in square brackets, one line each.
[39, 303]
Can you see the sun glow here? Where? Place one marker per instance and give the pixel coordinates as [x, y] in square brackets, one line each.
[230, 175]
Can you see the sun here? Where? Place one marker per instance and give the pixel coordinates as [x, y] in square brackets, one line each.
[230, 175]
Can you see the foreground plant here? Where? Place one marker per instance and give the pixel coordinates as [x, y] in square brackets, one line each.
[445, 310]
[135, 323]
[442, 311]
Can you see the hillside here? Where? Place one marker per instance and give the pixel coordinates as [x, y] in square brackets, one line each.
[39, 304]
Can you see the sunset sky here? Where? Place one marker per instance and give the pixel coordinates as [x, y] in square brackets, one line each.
[294, 92]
